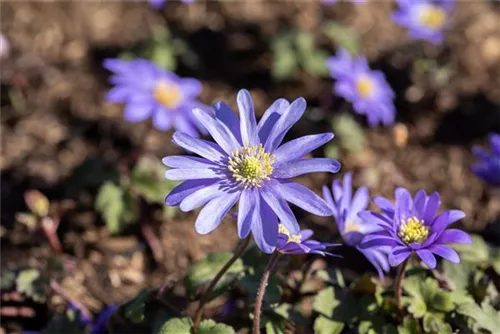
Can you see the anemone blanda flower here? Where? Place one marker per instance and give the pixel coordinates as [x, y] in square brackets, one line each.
[158, 4]
[488, 168]
[367, 90]
[248, 164]
[149, 91]
[345, 208]
[412, 225]
[424, 19]
[300, 243]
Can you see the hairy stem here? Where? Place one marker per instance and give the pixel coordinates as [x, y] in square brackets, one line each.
[262, 291]
[398, 289]
[208, 290]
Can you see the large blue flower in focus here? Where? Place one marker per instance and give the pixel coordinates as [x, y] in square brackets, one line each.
[411, 225]
[345, 207]
[151, 92]
[488, 168]
[248, 164]
[424, 19]
[367, 90]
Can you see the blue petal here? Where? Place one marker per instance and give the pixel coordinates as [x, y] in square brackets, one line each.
[445, 252]
[270, 117]
[359, 203]
[301, 146]
[228, 117]
[248, 123]
[427, 257]
[302, 197]
[185, 189]
[137, 112]
[186, 161]
[280, 208]
[247, 212]
[265, 228]
[298, 167]
[219, 131]
[212, 214]
[201, 196]
[198, 146]
[398, 254]
[192, 174]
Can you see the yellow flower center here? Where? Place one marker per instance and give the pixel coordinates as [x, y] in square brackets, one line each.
[168, 94]
[432, 16]
[413, 230]
[351, 227]
[251, 166]
[291, 237]
[364, 86]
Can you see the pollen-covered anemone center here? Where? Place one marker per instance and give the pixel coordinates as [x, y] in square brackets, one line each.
[168, 94]
[432, 16]
[364, 86]
[413, 230]
[251, 165]
[291, 237]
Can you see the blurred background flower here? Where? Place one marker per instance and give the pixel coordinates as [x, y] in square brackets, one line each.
[488, 166]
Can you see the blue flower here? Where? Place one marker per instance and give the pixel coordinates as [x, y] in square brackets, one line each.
[149, 91]
[248, 164]
[488, 168]
[413, 226]
[367, 90]
[300, 243]
[424, 19]
[345, 208]
[158, 4]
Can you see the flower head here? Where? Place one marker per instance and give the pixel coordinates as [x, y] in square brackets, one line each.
[248, 164]
[413, 225]
[158, 4]
[424, 19]
[488, 168]
[300, 243]
[149, 91]
[367, 90]
[345, 209]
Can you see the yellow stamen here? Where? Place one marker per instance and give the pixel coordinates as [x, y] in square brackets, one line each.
[364, 86]
[413, 230]
[251, 165]
[291, 237]
[352, 227]
[168, 94]
[432, 16]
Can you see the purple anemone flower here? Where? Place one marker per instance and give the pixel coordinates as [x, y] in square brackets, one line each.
[158, 4]
[367, 90]
[424, 19]
[488, 168]
[411, 225]
[345, 208]
[300, 243]
[248, 164]
[149, 91]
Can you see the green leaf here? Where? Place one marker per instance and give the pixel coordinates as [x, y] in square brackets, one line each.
[284, 63]
[315, 64]
[476, 253]
[325, 302]
[32, 284]
[211, 327]
[176, 326]
[135, 309]
[323, 325]
[485, 316]
[435, 324]
[351, 134]
[495, 259]
[203, 271]
[110, 204]
[344, 37]
[425, 295]
[305, 44]
[458, 275]
[409, 326]
[275, 320]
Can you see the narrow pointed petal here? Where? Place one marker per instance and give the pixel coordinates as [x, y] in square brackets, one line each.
[212, 214]
[427, 257]
[398, 255]
[445, 252]
[185, 161]
[198, 146]
[303, 197]
[248, 123]
[185, 189]
[376, 241]
[270, 117]
[299, 147]
[218, 130]
[433, 203]
[201, 197]
[228, 117]
[265, 228]
[192, 174]
[281, 209]
[298, 167]
[454, 236]
[384, 204]
[246, 212]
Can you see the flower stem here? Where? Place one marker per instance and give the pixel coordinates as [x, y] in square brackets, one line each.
[398, 290]
[262, 291]
[206, 294]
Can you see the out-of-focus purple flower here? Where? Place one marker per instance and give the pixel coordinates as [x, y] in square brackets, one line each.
[488, 168]
[149, 91]
[4, 47]
[158, 4]
[248, 164]
[345, 208]
[367, 90]
[331, 2]
[300, 243]
[424, 19]
[413, 226]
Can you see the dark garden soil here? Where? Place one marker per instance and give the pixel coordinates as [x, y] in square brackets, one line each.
[59, 136]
